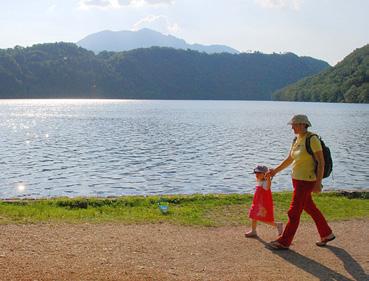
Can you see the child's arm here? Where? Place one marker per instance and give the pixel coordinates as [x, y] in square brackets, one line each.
[268, 181]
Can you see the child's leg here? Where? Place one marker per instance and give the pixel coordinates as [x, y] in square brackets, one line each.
[253, 225]
[252, 232]
[278, 225]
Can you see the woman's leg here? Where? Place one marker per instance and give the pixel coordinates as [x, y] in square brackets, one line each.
[320, 222]
[300, 193]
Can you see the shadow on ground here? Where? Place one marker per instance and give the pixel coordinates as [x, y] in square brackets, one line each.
[321, 271]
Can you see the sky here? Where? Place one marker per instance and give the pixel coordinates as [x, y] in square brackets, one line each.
[323, 29]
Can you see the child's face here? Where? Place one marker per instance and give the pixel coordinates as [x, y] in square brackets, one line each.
[260, 176]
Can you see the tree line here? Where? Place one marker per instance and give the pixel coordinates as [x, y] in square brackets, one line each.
[348, 82]
[64, 70]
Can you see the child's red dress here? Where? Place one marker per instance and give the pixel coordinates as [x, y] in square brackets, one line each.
[262, 204]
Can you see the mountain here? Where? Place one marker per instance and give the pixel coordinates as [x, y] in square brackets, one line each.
[117, 41]
[348, 81]
[64, 70]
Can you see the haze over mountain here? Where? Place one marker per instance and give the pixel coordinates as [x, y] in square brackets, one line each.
[117, 41]
[348, 81]
[64, 70]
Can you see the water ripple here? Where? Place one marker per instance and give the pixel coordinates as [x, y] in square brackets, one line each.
[109, 148]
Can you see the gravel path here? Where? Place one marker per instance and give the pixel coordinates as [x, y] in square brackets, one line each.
[170, 252]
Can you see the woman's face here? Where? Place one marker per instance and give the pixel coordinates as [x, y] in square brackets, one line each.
[298, 128]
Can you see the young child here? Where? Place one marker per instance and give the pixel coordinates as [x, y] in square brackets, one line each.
[262, 203]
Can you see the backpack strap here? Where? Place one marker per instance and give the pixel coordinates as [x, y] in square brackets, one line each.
[307, 144]
[309, 150]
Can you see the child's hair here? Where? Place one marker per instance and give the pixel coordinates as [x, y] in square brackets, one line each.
[260, 169]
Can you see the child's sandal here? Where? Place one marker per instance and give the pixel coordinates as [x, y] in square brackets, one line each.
[251, 234]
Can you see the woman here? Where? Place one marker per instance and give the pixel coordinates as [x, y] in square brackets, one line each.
[306, 177]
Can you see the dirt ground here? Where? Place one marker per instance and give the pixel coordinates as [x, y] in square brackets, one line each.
[170, 252]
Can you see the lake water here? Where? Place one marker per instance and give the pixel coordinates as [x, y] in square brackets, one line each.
[123, 147]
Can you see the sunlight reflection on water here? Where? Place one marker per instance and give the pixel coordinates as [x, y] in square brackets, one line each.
[117, 147]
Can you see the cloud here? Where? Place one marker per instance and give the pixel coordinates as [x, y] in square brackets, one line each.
[51, 8]
[96, 3]
[292, 4]
[102, 4]
[160, 23]
[154, 2]
[143, 2]
[111, 4]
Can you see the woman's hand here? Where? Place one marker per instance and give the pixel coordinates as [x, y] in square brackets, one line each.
[317, 187]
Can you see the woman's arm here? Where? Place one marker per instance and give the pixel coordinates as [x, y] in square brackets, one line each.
[319, 157]
[283, 165]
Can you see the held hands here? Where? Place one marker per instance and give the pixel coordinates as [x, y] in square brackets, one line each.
[271, 173]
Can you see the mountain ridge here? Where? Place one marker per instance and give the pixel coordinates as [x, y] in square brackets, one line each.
[126, 40]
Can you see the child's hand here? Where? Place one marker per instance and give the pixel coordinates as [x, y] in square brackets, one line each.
[267, 176]
[270, 173]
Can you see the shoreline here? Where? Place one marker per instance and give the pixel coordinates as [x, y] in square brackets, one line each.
[350, 193]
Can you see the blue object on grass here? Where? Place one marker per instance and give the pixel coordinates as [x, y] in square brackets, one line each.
[163, 205]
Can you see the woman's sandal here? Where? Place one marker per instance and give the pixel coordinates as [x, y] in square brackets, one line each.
[275, 245]
[325, 240]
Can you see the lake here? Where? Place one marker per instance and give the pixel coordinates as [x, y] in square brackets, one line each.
[75, 148]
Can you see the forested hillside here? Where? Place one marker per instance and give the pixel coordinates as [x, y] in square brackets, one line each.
[64, 70]
[348, 81]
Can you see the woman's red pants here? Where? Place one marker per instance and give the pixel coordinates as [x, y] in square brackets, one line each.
[302, 200]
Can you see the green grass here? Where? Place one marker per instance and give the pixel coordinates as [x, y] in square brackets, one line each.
[201, 210]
